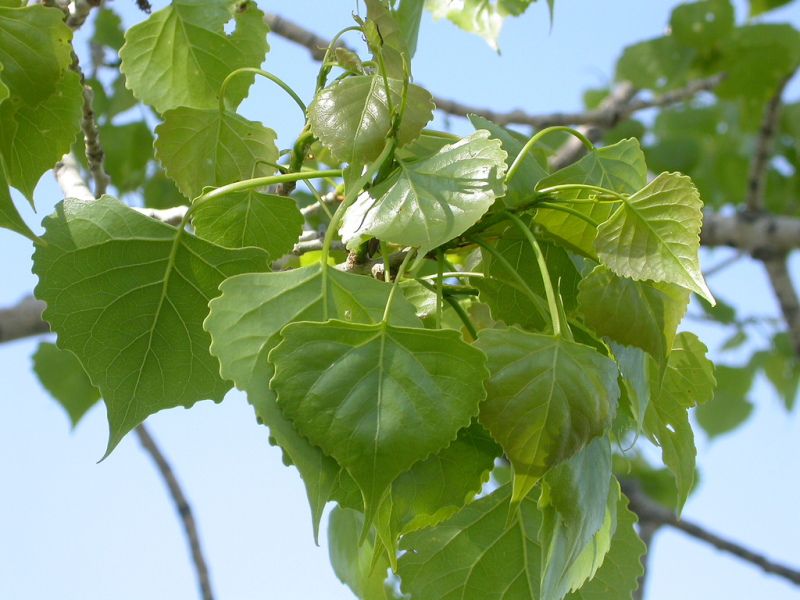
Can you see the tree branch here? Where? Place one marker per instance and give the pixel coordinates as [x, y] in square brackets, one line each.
[762, 236]
[603, 117]
[786, 294]
[651, 513]
[183, 509]
[79, 11]
[22, 320]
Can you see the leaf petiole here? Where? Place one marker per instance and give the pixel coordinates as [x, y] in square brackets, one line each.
[515, 166]
[400, 272]
[570, 211]
[582, 186]
[274, 78]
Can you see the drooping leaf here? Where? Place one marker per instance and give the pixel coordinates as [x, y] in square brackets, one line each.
[352, 119]
[644, 314]
[687, 381]
[242, 219]
[730, 406]
[429, 202]
[181, 54]
[391, 39]
[634, 365]
[408, 15]
[577, 501]
[128, 295]
[128, 150]
[377, 398]
[620, 168]
[200, 148]
[761, 6]
[618, 577]
[474, 556]
[546, 399]
[352, 561]
[655, 235]
[62, 375]
[782, 367]
[9, 216]
[531, 171]
[481, 17]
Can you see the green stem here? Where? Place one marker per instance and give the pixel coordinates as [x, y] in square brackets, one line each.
[548, 284]
[256, 182]
[322, 77]
[455, 274]
[439, 286]
[315, 192]
[571, 211]
[522, 285]
[444, 135]
[581, 186]
[515, 166]
[459, 310]
[400, 272]
[274, 78]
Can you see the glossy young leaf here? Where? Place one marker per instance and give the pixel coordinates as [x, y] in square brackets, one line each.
[352, 119]
[377, 398]
[687, 381]
[520, 190]
[546, 399]
[200, 148]
[392, 39]
[655, 235]
[429, 202]
[619, 574]
[62, 375]
[481, 17]
[730, 405]
[127, 295]
[474, 555]
[181, 54]
[242, 219]
[644, 314]
[620, 168]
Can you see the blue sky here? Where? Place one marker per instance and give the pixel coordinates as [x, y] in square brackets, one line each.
[77, 530]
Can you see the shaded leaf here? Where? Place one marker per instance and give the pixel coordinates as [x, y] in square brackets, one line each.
[546, 399]
[61, 374]
[127, 295]
[702, 25]
[659, 64]
[9, 216]
[730, 406]
[128, 150]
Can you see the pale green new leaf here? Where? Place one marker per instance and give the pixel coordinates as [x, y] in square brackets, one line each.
[481, 17]
[655, 235]
[429, 202]
[644, 314]
[200, 148]
[241, 219]
[619, 574]
[577, 502]
[687, 381]
[392, 39]
[181, 54]
[352, 119]
[128, 295]
[474, 555]
[546, 399]
[62, 375]
[619, 167]
[377, 398]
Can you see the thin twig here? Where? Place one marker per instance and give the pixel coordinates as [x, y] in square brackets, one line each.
[603, 117]
[650, 512]
[79, 11]
[183, 509]
[95, 154]
[785, 292]
[757, 179]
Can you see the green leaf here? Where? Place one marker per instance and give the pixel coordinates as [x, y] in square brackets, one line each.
[241, 219]
[352, 561]
[128, 150]
[108, 29]
[655, 235]
[531, 171]
[127, 295]
[474, 556]
[782, 368]
[481, 17]
[577, 502]
[201, 148]
[634, 365]
[687, 381]
[619, 574]
[702, 25]
[392, 39]
[546, 399]
[620, 168]
[61, 374]
[408, 15]
[181, 54]
[377, 398]
[429, 202]
[730, 406]
[4, 92]
[161, 192]
[657, 64]
[761, 6]
[644, 314]
[439, 486]
[9, 216]
[352, 119]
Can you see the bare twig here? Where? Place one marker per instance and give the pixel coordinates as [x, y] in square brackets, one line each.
[68, 176]
[183, 509]
[22, 320]
[603, 117]
[94, 150]
[757, 179]
[786, 294]
[650, 512]
[79, 11]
